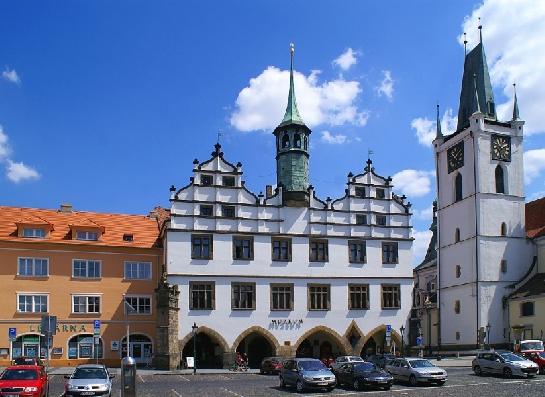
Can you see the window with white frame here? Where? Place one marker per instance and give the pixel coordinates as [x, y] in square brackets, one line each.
[33, 232]
[86, 235]
[138, 304]
[32, 303]
[33, 267]
[138, 270]
[85, 304]
[82, 268]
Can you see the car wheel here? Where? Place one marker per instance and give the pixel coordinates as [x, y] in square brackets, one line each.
[413, 381]
[477, 370]
[387, 388]
[356, 384]
[282, 383]
[299, 386]
[441, 383]
[507, 373]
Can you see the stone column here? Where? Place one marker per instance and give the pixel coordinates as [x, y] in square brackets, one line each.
[167, 350]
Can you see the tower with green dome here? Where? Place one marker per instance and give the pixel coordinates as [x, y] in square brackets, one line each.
[292, 142]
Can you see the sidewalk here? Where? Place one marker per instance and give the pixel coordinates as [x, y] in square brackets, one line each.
[454, 362]
[61, 371]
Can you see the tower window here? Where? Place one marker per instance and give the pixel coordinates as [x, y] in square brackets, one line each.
[457, 307]
[206, 180]
[228, 181]
[297, 140]
[380, 193]
[206, 210]
[361, 219]
[503, 229]
[457, 236]
[458, 271]
[500, 184]
[286, 141]
[491, 108]
[381, 220]
[503, 266]
[458, 187]
[306, 142]
[359, 192]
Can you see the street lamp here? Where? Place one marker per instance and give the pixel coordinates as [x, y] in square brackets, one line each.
[428, 305]
[488, 326]
[194, 330]
[402, 330]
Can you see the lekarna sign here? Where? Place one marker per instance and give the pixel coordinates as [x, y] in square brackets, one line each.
[12, 334]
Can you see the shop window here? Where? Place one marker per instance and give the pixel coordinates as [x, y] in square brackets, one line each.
[29, 345]
[83, 346]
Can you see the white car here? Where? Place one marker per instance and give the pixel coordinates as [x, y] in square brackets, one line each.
[346, 359]
[505, 363]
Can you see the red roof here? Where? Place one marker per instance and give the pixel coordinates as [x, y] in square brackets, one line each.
[535, 218]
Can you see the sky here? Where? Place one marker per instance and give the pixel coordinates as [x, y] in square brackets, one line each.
[105, 104]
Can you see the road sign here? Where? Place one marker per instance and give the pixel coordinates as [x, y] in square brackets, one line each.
[388, 330]
[12, 334]
[96, 327]
[419, 341]
[48, 324]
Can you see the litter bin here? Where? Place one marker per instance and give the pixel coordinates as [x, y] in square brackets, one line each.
[128, 377]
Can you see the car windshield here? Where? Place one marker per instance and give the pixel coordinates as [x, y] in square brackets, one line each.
[365, 367]
[24, 361]
[355, 358]
[19, 374]
[537, 345]
[421, 364]
[311, 365]
[512, 357]
[89, 373]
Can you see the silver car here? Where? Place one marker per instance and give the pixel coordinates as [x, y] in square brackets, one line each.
[416, 370]
[346, 359]
[505, 363]
[89, 380]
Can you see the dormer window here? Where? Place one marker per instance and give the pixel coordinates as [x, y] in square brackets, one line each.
[380, 194]
[31, 232]
[228, 181]
[359, 192]
[128, 237]
[207, 180]
[86, 235]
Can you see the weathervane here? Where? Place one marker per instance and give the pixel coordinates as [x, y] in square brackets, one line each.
[219, 134]
[480, 27]
[465, 43]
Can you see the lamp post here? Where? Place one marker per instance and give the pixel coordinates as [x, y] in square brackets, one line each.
[402, 330]
[488, 326]
[428, 305]
[194, 330]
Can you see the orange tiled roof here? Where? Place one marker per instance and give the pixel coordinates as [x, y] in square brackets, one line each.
[145, 229]
[535, 218]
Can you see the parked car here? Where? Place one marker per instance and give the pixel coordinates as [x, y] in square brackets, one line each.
[416, 370]
[503, 362]
[536, 357]
[89, 380]
[363, 375]
[28, 361]
[271, 365]
[346, 359]
[530, 345]
[24, 380]
[306, 373]
[380, 360]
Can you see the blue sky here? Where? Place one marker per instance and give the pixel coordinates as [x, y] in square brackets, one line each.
[106, 104]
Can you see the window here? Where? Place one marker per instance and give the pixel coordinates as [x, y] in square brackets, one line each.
[281, 249]
[379, 193]
[138, 270]
[281, 296]
[458, 187]
[359, 192]
[228, 181]
[86, 235]
[228, 211]
[207, 180]
[85, 269]
[243, 296]
[138, 305]
[358, 298]
[318, 297]
[202, 295]
[458, 271]
[33, 267]
[286, 141]
[457, 307]
[526, 309]
[457, 335]
[33, 232]
[361, 219]
[32, 303]
[85, 304]
[381, 220]
[243, 248]
[391, 296]
[83, 346]
[457, 235]
[357, 251]
[297, 140]
[206, 210]
[389, 252]
[503, 230]
[128, 237]
[503, 266]
[500, 185]
[318, 251]
[201, 246]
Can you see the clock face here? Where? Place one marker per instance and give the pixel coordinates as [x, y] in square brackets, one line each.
[501, 148]
[455, 157]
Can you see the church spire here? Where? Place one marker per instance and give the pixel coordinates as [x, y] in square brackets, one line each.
[515, 105]
[439, 134]
[292, 113]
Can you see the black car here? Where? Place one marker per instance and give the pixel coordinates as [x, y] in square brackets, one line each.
[363, 375]
[28, 361]
[271, 365]
[380, 360]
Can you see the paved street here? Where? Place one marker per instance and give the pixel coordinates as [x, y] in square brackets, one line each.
[461, 382]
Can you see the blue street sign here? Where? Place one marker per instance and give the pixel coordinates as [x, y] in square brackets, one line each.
[96, 324]
[419, 341]
[12, 334]
[388, 328]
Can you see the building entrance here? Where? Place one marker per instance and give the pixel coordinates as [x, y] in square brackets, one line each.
[209, 353]
[140, 348]
[320, 345]
[256, 347]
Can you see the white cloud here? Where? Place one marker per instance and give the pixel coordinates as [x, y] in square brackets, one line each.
[18, 172]
[413, 183]
[261, 105]
[4, 147]
[426, 214]
[534, 164]
[420, 245]
[386, 86]
[11, 76]
[514, 40]
[328, 137]
[346, 60]
[426, 129]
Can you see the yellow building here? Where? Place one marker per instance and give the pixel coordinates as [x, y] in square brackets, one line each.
[80, 267]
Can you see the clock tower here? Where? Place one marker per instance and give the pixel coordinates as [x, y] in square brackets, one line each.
[482, 247]
[292, 151]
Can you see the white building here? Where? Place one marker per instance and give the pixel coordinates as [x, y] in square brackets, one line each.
[287, 274]
[482, 244]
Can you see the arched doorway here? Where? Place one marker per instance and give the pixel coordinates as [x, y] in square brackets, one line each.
[369, 348]
[83, 346]
[29, 345]
[321, 344]
[209, 352]
[140, 348]
[378, 343]
[256, 347]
